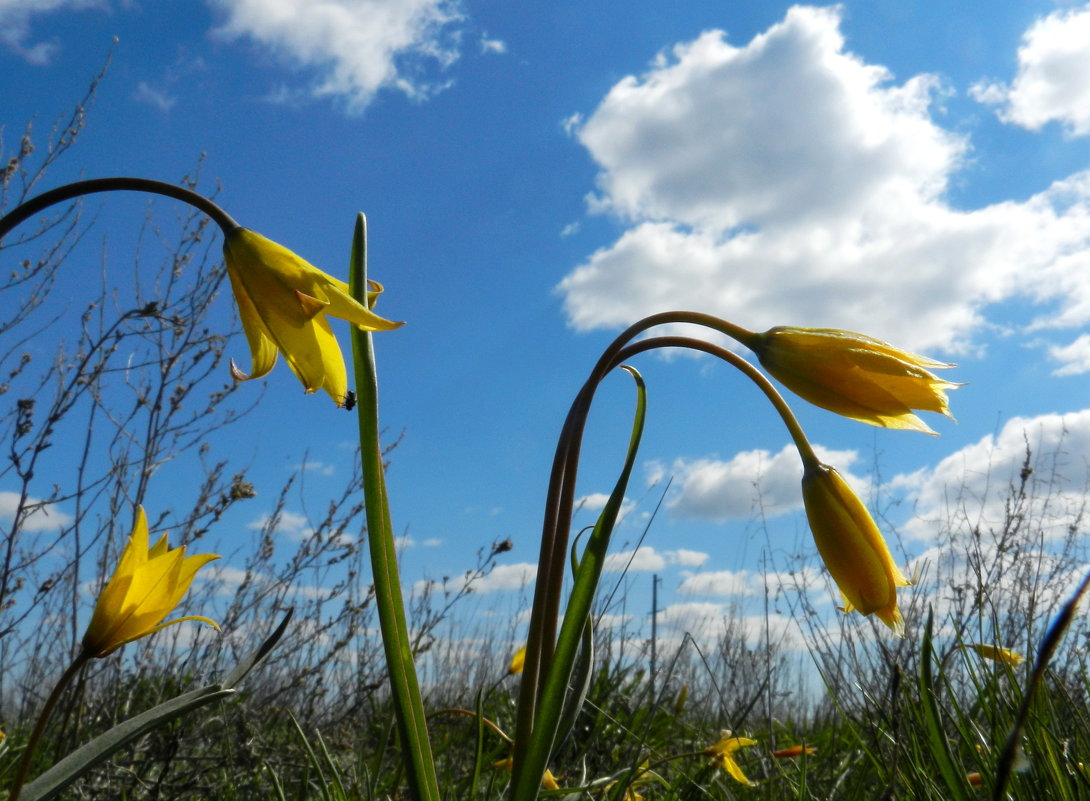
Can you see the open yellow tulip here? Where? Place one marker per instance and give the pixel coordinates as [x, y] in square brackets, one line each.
[146, 587]
[283, 301]
[722, 754]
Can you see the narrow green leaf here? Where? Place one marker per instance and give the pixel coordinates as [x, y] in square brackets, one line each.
[952, 775]
[53, 781]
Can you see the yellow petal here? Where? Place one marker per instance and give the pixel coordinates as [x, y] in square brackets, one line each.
[731, 767]
[262, 346]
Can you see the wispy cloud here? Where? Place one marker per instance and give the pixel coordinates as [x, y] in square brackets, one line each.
[355, 47]
[15, 25]
[146, 93]
[493, 46]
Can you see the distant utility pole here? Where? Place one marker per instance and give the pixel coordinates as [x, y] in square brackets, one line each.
[655, 580]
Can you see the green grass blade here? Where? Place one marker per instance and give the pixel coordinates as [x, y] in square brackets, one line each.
[952, 774]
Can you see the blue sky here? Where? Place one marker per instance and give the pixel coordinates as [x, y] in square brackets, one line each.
[537, 176]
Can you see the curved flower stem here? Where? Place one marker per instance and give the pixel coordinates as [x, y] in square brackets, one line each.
[404, 686]
[559, 504]
[71, 191]
[542, 634]
[43, 718]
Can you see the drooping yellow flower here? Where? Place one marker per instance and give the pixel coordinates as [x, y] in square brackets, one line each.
[722, 754]
[854, 375]
[283, 302]
[146, 587]
[851, 546]
[518, 662]
[548, 781]
[997, 654]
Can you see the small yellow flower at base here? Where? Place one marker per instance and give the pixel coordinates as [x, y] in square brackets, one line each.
[548, 782]
[851, 546]
[722, 755]
[146, 587]
[997, 654]
[854, 375]
[283, 302]
[974, 779]
[518, 662]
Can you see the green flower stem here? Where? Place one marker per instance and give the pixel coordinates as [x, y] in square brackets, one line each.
[538, 673]
[404, 685]
[39, 727]
[71, 191]
[526, 780]
[560, 499]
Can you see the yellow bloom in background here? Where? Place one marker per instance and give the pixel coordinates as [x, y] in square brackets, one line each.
[851, 546]
[547, 781]
[974, 779]
[854, 375]
[518, 662]
[145, 588]
[997, 654]
[722, 754]
[283, 302]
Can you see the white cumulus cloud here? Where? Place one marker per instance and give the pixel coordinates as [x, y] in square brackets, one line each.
[47, 517]
[1051, 83]
[646, 559]
[501, 577]
[356, 47]
[970, 489]
[787, 181]
[750, 481]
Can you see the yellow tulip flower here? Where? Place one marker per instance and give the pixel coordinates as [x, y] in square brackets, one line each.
[997, 654]
[518, 662]
[854, 375]
[851, 546]
[722, 755]
[147, 585]
[283, 302]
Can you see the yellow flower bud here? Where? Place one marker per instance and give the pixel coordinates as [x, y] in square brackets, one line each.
[854, 375]
[851, 546]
